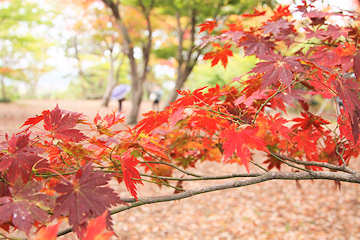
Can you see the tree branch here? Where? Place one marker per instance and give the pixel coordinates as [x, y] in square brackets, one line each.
[318, 164]
[343, 177]
[204, 178]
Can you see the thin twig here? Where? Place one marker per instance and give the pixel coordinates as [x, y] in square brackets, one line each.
[318, 164]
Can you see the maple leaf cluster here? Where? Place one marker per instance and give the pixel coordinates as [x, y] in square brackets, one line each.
[56, 170]
[231, 121]
[60, 165]
[326, 63]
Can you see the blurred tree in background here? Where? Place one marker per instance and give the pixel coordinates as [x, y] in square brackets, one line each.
[187, 16]
[95, 36]
[107, 42]
[180, 19]
[23, 44]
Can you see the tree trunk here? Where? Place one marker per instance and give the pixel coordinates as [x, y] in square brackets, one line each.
[182, 77]
[136, 98]
[32, 92]
[185, 66]
[3, 91]
[110, 85]
[137, 76]
[110, 82]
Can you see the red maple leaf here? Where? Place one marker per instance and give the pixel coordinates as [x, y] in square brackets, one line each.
[61, 125]
[34, 120]
[214, 93]
[335, 32]
[275, 27]
[317, 85]
[257, 45]
[20, 158]
[318, 33]
[235, 31]
[309, 122]
[255, 14]
[277, 103]
[96, 229]
[208, 25]
[204, 120]
[306, 141]
[345, 127]
[177, 116]
[130, 173]
[103, 125]
[288, 97]
[324, 56]
[190, 98]
[250, 99]
[346, 54]
[241, 140]
[280, 12]
[220, 54]
[276, 125]
[151, 146]
[84, 197]
[276, 67]
[317, 17]
[77, 153]
[316, 14]
[348, 91]
[273, 162]
[151, 121]
[22, 208]
[252, 85]
[356, 66]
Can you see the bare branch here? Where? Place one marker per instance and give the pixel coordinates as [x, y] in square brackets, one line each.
[233, 175]
[318, 164]
[344, 177]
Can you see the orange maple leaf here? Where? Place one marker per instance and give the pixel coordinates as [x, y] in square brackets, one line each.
[256, 13]
[281, 12]
[208, 25]
[48, 233]
[237, 26]
[221, 54]
[95, 229]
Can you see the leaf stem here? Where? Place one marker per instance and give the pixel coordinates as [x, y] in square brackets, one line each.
[156, 176]
[289, 164]
[259, 166]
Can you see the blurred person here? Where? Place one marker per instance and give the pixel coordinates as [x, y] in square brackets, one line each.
[119, 93]
[155, 96]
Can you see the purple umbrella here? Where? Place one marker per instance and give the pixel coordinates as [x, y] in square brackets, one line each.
[120, 91]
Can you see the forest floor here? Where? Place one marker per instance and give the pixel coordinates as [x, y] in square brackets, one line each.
[270, 210]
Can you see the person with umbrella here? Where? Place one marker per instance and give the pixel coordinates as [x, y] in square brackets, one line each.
[119, 93]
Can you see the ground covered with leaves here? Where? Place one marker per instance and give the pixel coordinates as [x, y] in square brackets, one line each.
[271, 210]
